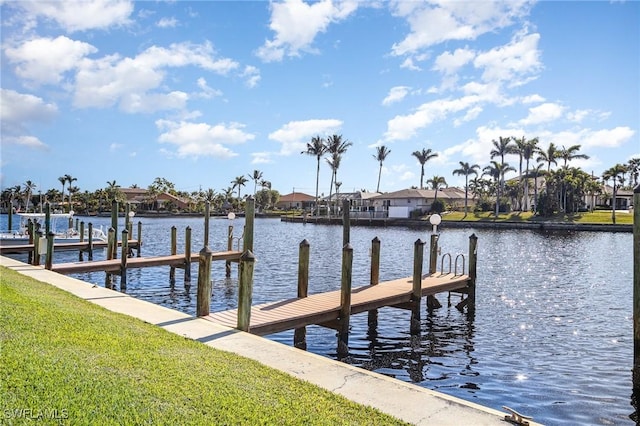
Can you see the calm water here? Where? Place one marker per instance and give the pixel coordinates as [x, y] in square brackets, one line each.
[552, 335]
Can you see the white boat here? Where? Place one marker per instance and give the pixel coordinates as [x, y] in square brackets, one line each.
[59, 223]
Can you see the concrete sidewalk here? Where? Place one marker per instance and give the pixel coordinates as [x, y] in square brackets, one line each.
[405, 401]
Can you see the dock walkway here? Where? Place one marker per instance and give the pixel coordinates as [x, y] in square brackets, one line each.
[323, 308]
[114, 265]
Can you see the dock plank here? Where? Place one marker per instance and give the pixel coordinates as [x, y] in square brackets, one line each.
[273, 317]
[138, 262]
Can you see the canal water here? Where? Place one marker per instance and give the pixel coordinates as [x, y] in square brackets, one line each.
[552, 335]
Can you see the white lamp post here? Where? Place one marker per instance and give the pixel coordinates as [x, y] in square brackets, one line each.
[435, 220]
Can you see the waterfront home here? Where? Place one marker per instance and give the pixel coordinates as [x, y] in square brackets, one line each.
[296, 201]
[143, 200]
[417, 202]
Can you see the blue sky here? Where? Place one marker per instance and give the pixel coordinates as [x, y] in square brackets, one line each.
[201, 92]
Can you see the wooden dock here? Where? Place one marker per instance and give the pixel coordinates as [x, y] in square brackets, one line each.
[115, 265]
[324, 308]
[75, 246]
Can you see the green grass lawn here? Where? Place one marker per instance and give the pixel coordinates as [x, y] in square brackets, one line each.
[67, 361]
[598, 216]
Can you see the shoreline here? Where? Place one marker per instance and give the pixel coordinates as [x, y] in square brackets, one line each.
[418, 223]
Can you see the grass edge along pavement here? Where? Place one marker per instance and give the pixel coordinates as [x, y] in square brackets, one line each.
[596, 217]
[64, 360]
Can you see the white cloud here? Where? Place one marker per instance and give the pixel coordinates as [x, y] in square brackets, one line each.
[44, 60]
[532, 99]
[396, 94]
[202, 139]
[81, 15]
[127, 81]
[294, 135]
[296, 24]
[17, 111]
[252, 75]
[450, 63]
[515, 63]
[207, 92]
[167, 23]
[607, 138]
[261, 158]
[543, 114]
[25, 141]
[432, 23]
[403, 127]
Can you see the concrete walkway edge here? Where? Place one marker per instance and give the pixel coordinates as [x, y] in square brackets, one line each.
[408, 402]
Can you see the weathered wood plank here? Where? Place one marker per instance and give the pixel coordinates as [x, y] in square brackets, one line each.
[268, 318]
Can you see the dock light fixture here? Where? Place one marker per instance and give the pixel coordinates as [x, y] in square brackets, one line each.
[435, 220]
[231, 216]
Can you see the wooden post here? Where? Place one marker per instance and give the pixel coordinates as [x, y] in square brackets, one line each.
[346, 223]
[126, 216]
[203, 301]
[114, 225]
[433, 254]
[300, 334]
[36, 248]
[174, 251]
[10, 217]
[345, 300]
[49, 257]
[81, 251]
[473, 260]
[245, 290]
[416, 289]
[207, 208]
[90, 241]
[249, 213]
[31, 229]
[47, 218]
[187, 256]
[123, 260]
[139, 238]
[432, 301]
[111, 242]
[636, 289]
[227, 264]
[374, 278]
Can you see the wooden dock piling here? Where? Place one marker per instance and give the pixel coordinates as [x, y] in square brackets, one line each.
[227, 264]
[300, 334]
[249, 215]
[416, 292]
[245, 290]
[174, 251]
[124, 255]
[203, 300]
[346, 222]
[374, 278]
[636, 291]
[345, 300]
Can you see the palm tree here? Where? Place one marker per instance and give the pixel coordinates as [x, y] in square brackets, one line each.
[528, 151]
[63, 181]
[571, 153]
[381, 155]
[316, 148]
[70, 179]
[336, 146]
[549, 156]
[537, 170]
[29, 187]
[257, 175]
[239, 182]
[423, 156]
[436, 183]
[501, 147]
[616, 173]
[466, 170]
[633, 165]
[497, 171]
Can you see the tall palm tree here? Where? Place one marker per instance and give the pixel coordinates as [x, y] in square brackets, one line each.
[616, 174]
[29, 186]
[70, 179]
[436, 183]
[317, 148]
[63, 181]
[528, 151]
[497, 171]
[633, 165]
[239, 182]
[381, 154]
[571, 153]
[336, 146]
[423, 156]
[518, 147]
[501, 147]
[257, 175]
[550, 155]
[466, 170]
[536, 171]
